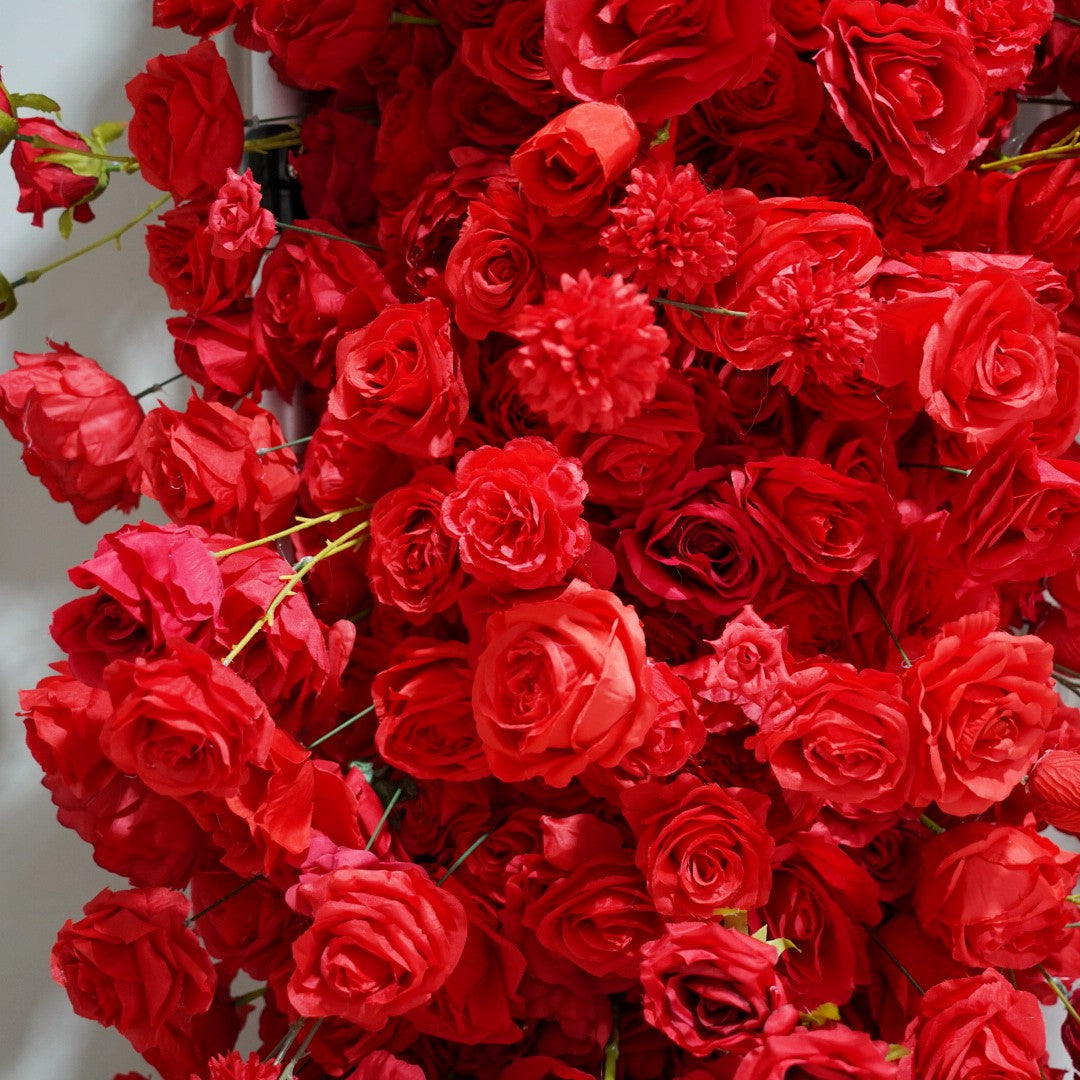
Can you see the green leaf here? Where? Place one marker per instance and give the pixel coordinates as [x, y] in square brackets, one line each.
[106, 133]
[734, 919]
[77, 163]
[65, 223]
[8, 303]
[823, 1014]
[37, 102]
[897, 1052]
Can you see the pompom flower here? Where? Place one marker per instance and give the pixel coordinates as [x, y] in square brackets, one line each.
[592, 355]
[670, 232]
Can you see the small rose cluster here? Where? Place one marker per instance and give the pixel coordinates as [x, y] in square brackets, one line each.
[661, 678]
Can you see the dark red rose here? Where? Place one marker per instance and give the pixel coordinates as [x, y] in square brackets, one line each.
[560, 684]
[906, 85]
[981, 1022]
[132, 964]
[382, 1065]
[237, 220]
[384, 939]
[995, 894]
[48, 185]
[516, 514]
[700, 846]
[199, 18]
[827, 1053]
[569, 164]
[184, 724]
[468, 109]
[399, 382]
[710, 989]
[78, 428]
[658, 58]
[188, 127]
[985, 698]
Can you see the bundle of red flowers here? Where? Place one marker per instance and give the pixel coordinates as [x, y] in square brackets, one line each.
[647, 665]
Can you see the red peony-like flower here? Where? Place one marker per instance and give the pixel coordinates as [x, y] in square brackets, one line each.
[670, 233]
[592, 355]
[238, 222]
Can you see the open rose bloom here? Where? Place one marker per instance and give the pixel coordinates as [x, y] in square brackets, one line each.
[647, 646]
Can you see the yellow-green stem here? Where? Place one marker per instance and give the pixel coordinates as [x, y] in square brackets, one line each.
[39, 142]
[302, 524]
[1060, 994]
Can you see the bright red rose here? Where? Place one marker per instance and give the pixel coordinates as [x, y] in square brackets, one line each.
[700, 846]
[658, 58]
[830, 526]
[976, 1023]
[188, 127]
[78, 427]
[995, 894]
[203, 465]
[384, 939]
[238, 222]
[399, 382]
[216, 353]
[1054, 789]
[986, 700]
[184, 724]
[569, 164]
[132, 964]
[710, 989]
[560, 684]
[830, 1053]
[516, 514]
[906, 85]
[48, 185]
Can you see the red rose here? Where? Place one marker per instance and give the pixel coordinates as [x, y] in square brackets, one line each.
[45, 185]
[976, 1023]
[986, 700]
[238, 222]
[132, 964]
[423, 701]
[199, 18]
[700, 846]
[659, 58]
[203, 465]
[568, 165]
[995, 894]
[399, 382]
[384, 939]
[560, 683]
[818, 1054]
[1054, 789]
[184, 724]
[468, 109]
[78, 427]
[216, 353]
[381, 1065]
[905, 85]
[188, 127]
[708, 988]
[516, 514]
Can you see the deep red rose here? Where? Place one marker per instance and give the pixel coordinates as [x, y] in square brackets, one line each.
[906, 85]
[384, 939]
[842, 735]
[237, 220]
[321, 45]
[132, 964]
[569, 164]
[700, 846]
[199, 18]
[468, 109]
[710, 989]
[516, 514]
[423, 701]
[203, 465]
[986, 701]
[216, 352]
[981, 1022]
[827, 1053]
[658, 58]
[542, 1067]
[995, 894]
[830, 526]
[184, 724]
[183, 262]
[188, 127]
[1054, 789]
[399, 382]
[48, 185]
[560, 684]
[78, 427]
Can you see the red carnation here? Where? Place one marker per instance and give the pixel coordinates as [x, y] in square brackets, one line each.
[238, 221]
[592, 355]
[232, 1066]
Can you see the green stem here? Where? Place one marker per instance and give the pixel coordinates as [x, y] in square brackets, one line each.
[699, 308]
[892, 956]
[401, 18]
[463, 856]
[221, 900]
[326, 235]
[341, 727]
[302, 524]
[1067, 19]
[1060, 994]
[33, 275]
[611, 1050]
[382, 821]
[931, 824]
[1064, 102]
[250, 996]
[285, 445]
[904, 659]
[158, 385]
[39, 142]
[941, 468]
[282, 1047]
[290, 1069]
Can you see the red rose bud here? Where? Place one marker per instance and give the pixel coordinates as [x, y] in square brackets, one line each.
[77, 426]
[569, 163]
[47, 185]
[9, 124]
[1054, 789]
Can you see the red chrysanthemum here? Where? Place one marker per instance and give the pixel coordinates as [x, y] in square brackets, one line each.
[592, 355]
[232, 1066]
[670, 232]
[811, 319]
